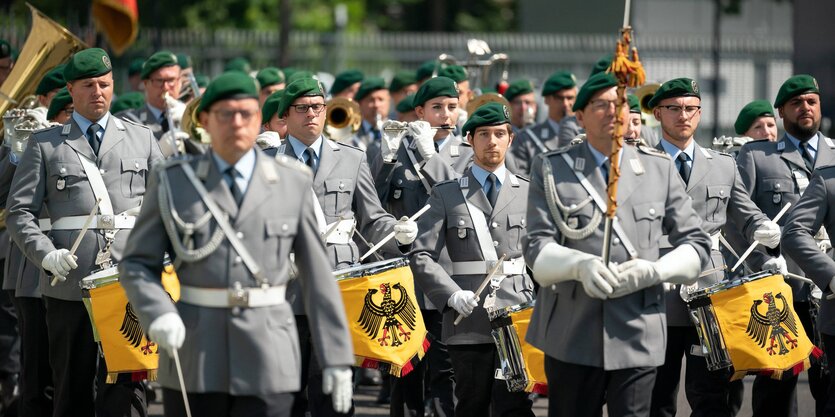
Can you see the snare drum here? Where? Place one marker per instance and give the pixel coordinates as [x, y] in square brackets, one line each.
[386, 325]
[522, 366]
[749, 323]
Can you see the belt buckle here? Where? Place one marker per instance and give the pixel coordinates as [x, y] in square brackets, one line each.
[106, 221]
[238, 296]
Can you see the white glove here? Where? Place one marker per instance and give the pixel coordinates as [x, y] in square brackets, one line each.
[556, 263]
[680, 266]
[393, 132]
[463, 301]
[168, 140]
[175, 109]
[825, 245]
[168, 331]
[59, 262]
[336, 381]
[405, 231]
[777, 264]
[424, 137]
[268, 139]
[768, 234]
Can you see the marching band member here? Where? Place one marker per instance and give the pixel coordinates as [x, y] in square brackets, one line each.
[402, 85]
[271, 79]
[713, 184]
[346, 84]
[569, 128]
[405, 173]
[373, 99]
[522, 101]
[756, 120]
[559, 93]
[477, 219]
[406, 110]
[774, 174]
[459, 74]
[49, 86]
[274, 127]
[346, 197]
[239, 356]
[603, 330]
[135, 74]
[632, 136]
[64, 170]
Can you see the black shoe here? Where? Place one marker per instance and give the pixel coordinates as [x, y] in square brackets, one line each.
[9, 391]
[369, 377]
[384, 397]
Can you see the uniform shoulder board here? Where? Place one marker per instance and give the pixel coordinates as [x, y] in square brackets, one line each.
[825, 167]
[345, 145]
[48, 128]
[718, 152]
[652, 151]
[129, 121]
[447, 182]
[523, 178]
[562, 149]
[293, 163]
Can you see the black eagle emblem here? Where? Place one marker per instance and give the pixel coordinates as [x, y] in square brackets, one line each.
[396, 314]
[775, 326]
[131, 329]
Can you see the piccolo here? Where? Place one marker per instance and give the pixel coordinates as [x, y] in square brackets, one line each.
[405, 126]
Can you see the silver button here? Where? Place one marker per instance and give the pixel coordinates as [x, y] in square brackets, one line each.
[341, 185]
[400, 181]
[689, 197]
[777, 185]
[616, 241]
[136, 165]
[102, 170]
[573, 206]
[284, 227]
[721, 192]
[495, 243]
[239, 235]
[495, 225]
[63, 170]
[652, 212]
[460, 222]
[237, 260]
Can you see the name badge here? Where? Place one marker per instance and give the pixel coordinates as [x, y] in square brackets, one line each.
[777, 198]
[61, 184]
[453, 150]
[462, 233]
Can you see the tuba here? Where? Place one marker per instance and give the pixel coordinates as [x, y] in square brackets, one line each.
[485, 98]
[48, 44]
[644, 95]
[342, 119]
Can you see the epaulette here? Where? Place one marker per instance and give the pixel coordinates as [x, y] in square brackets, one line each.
[718, 152]
[293, 163]
[827, 167]
[133, 122]
[523, 178]
[48, 128]
[652, 151]
[453, 181]
[349, 146]
[561, 149]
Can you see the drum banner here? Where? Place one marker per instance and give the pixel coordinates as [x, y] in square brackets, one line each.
[762, 332]
[534, 358]
[384, 320]
[124, 344]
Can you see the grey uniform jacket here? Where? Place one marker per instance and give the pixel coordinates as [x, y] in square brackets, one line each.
[144, 116]
[569, 129]
[772, 173]
[813, 210]
[50, 175]
[529, 143]
[715, 189]
[449, 225]
[629, 331]
[244, 351]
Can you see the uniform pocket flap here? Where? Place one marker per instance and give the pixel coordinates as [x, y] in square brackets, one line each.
[648, 211]
[516, 220]
[66, 169]
[718, 191]
[134, 164]
[337, 185]
[459, 221]
[777, 185]
[281, 227]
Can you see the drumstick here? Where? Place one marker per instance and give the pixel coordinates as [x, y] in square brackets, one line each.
[80, 236]
[182, 381]
[391, 235]
[484, 284]
[799, 278]
[754, 243]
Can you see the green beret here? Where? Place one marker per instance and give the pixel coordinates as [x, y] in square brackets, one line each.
[559, 80]
[303, 87]
[489, 114]
[53, 79]
[346, 79]
[795, 86]
[634, 105]
[135, 66]
[679, 87]
[61, 99]
[229, 85]
[456, 72]
[602, 64]
[158, 60]
[288, 72]
[426, 69]
[595, 83]
[298, 75]
[517, 88]
[269, 76]
[368, 86]
[435, 87]
[406, 105]
[240, 64]
[401, 80]
[5, 49]
[131, 100]
[270, 107]
[88, 63]
[751, 112]
[202, 80]
[184, 61]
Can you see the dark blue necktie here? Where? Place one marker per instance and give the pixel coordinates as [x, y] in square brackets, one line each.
[492, 189]
[93, 137]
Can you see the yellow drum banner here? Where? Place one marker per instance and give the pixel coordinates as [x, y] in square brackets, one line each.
[762, 332]
[384, 319]
[534, 358]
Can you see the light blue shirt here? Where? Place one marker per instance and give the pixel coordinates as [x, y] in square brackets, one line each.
[811, 144]
[481, 175]
[244, 167]
[599, 158]
[299, 147]
[674, 151]
[156, 112]
[84, 124]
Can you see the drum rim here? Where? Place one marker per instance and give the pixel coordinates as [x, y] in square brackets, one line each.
[91, 281]
[371, 269]
[728, 284]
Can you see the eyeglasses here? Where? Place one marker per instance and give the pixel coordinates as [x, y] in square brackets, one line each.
[303, 108]
[227, 116]
[159, 82]
[688, 110]
[600, 104]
